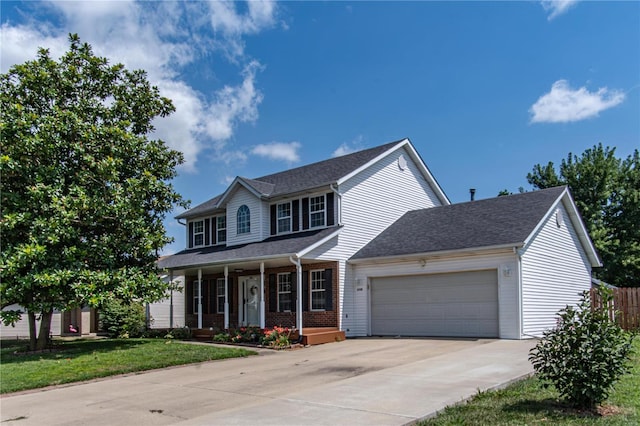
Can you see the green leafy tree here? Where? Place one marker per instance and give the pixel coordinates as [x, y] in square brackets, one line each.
[84, 188]
[607, 192]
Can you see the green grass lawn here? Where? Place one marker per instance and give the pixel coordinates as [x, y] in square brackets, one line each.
[528, 402]
[73, 361]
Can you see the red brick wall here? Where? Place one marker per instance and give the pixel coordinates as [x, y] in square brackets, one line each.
[285, 319]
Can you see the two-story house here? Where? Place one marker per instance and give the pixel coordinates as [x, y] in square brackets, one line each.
[369, 243]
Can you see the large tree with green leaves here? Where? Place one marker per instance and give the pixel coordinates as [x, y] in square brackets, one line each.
[84, 187]
[607, 192]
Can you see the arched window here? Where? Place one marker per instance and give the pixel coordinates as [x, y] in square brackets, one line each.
[244, 220]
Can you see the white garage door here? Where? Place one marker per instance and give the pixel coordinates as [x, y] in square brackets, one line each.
[463, 304]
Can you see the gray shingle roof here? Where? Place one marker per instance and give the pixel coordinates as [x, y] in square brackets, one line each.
[301, 178]
[278, 246]
[475, 224]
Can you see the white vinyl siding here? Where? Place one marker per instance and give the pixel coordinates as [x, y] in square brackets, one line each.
[555, 271]
[21, 329]
[462, 304]
[161, 311]
[370, 202]
[243, 197]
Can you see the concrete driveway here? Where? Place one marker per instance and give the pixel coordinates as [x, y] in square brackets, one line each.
[358, 381]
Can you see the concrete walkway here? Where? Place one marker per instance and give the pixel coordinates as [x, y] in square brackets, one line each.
[359, 381]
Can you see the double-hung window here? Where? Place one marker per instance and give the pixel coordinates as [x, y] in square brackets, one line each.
[316, 211]
[221, 229]
[317, 290]
[220, 295]
[284, 292]
[284, 217]
[198, 233]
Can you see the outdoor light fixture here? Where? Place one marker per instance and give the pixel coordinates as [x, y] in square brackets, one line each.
[238, 270]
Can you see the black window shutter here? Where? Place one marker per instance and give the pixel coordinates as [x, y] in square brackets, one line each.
[295, 212]
[273, 293]
[214, 230]
[190, 234]
[328, 289]
[294, 289]
[330, 209]
[305, 213]
[274, 219]
[205, 296]
[305, 290]
[189, 296]
[207, 232]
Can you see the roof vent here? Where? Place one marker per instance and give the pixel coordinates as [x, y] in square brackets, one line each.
[472, 192]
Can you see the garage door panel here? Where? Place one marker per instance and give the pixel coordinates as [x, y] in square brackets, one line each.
[458, 304]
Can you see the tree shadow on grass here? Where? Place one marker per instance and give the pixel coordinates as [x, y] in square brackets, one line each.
[16, 351]
[550, 408]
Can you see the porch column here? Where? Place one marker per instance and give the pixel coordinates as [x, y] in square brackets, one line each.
[199, 298]
[262, 318]
[226, 297]
[299, 297]
[171, 299]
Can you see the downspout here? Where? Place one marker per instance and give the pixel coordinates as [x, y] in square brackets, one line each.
[262, 307]
[338, 203]
[521, 313]
[171, 299]
[298, 293]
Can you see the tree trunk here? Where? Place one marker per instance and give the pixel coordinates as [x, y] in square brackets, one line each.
[32, 331]
[45, 328]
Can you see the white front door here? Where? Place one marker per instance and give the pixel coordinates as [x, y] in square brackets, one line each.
[249, 301]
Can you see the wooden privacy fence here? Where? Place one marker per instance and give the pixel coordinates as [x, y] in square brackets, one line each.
[625, 308]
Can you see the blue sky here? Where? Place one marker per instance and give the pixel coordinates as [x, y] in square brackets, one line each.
[484, 90]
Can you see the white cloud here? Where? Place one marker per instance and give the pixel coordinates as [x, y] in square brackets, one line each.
[231, 25]
[557, 7]
[233, 105]
[564, 104]
[279, 151]
[161, 38]
[349, 147]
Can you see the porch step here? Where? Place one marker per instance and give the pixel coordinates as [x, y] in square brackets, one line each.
[320, 335]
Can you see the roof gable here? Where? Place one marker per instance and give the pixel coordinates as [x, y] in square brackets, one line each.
[501, 221]
[312, 176]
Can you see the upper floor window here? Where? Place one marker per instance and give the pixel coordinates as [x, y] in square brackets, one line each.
[284, 217]
[221, 229]
[198, 233]
[316, 211]
[244, 220]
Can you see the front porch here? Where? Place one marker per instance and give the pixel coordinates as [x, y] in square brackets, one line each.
[311, 336]
[301, 297]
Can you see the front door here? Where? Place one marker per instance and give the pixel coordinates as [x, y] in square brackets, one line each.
[249, 301]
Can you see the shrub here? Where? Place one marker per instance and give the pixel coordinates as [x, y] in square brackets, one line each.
[123, 320]
[278, 337]
[584, 355]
